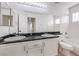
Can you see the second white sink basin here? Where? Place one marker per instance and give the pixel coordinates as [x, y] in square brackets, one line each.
[15, 38]
[48, 35]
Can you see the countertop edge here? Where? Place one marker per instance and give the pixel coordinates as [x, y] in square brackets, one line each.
[17, 41]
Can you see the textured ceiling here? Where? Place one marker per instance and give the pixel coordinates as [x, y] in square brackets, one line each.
[53, 7]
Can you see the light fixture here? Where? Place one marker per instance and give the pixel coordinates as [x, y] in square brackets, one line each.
[34, 4]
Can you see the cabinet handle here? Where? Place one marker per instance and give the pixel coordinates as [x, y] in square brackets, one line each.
[35, 45]
[27, 51]
[24, 48]
[41, 51]
[43, 48]
[43, 44]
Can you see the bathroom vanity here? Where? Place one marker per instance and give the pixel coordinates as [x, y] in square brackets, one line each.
[30, 46]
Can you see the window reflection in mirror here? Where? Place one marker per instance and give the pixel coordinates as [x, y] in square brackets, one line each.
[31, 24]
[7, 20]
[57, 21]
[75, 17]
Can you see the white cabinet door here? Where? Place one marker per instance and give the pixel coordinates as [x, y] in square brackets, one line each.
[35, 48]
[15, 49]
[51, 47]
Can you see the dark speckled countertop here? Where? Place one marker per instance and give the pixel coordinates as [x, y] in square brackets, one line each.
[35, 36]
[31, 38]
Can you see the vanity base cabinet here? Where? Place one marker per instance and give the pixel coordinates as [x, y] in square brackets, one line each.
[51, 47]
[45, 47]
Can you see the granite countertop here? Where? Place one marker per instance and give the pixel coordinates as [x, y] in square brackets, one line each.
[26, 39]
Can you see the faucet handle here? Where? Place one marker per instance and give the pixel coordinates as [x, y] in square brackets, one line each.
[66, 33]
[19, 30]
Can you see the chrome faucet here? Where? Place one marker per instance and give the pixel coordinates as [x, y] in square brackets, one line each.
[31, 33]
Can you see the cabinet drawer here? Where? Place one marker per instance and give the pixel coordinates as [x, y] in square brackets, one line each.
[35, 44]
[35, 48]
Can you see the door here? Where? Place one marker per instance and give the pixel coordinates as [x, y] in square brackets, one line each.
[15, 49]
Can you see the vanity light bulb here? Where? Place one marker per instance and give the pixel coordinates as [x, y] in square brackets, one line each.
[36, 4]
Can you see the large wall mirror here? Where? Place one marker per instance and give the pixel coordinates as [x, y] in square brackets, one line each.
[20, 21]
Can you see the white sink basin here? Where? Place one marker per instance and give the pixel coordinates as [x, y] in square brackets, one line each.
[66, 46]
[15, 38]
[48, 35]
